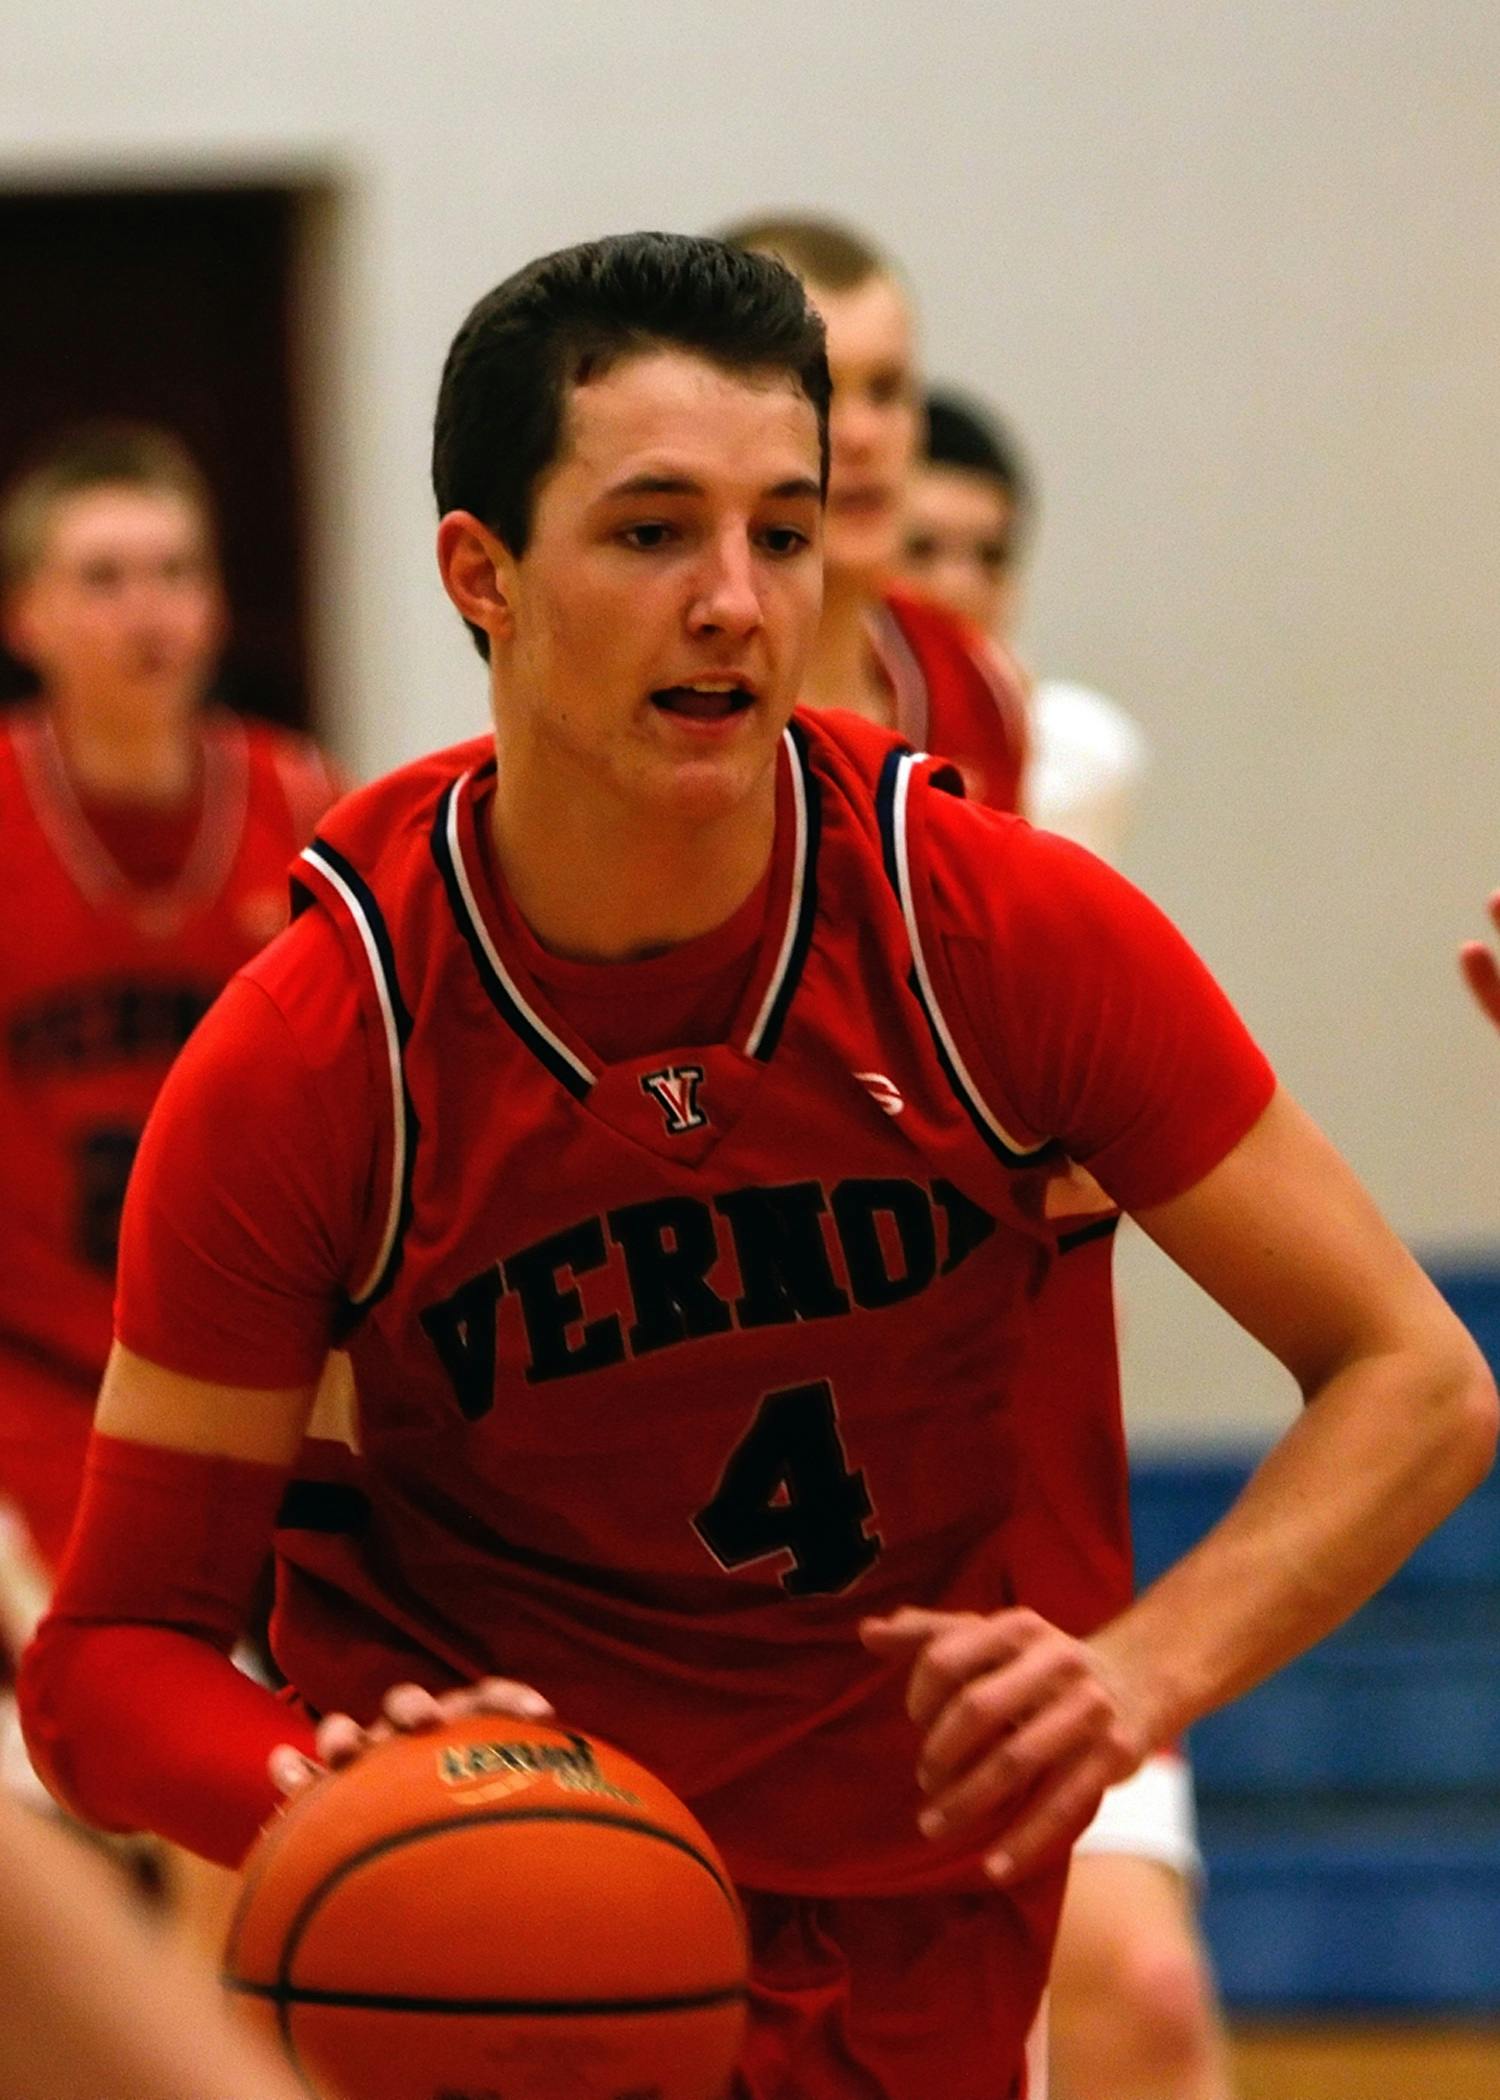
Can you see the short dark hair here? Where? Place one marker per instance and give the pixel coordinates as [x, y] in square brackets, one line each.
[568, 318]
[104, 453]
[962, 434]
[823, 252]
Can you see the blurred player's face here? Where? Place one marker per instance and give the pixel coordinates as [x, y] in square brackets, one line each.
[649, 643]
[961, 545]
[875, 425]
[123, 611]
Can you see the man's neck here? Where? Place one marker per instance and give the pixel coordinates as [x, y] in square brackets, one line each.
[844, 670]
[117, 756]
[614, 886]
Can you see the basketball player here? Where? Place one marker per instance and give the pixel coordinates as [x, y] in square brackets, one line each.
[92, 2007]
[144, 836]
[1131, 1999]
[1481, 969]
[895, 657]
[968, 526]
[654, 1108]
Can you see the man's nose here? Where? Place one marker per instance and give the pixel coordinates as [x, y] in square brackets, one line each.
[852, 425]
[728, 599]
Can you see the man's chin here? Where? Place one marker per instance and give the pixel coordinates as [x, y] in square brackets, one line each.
[708, 785]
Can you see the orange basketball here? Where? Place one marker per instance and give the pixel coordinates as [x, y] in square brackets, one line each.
[493, 1910]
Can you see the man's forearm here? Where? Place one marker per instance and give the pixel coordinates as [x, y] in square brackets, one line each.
[1381, 1454]
[144, 1728]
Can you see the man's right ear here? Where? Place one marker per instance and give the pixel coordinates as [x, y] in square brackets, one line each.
[475, 567]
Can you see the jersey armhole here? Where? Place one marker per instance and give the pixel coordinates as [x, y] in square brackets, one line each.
[323, 879]
[908, 780]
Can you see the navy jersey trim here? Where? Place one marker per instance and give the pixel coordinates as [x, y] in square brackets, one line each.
[1097, 1229]
[328, 1506]
[765, 1032]
[369, 921]
[504, 994]
[891, 800]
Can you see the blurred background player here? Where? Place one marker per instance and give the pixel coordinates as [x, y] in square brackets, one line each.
[1133, 2013]
[92, 2006]
[144, 841]
[882, 651]
[968, 526]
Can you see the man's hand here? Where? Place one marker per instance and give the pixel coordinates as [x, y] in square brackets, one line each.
[1022, 1728]
[1482, 969]
[405, 1710]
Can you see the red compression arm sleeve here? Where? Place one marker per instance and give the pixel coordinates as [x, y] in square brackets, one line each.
[133, 1711]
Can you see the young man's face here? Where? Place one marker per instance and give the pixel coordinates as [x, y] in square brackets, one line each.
[653, 635]
[960, 545]
[875, 424]
[123, 609]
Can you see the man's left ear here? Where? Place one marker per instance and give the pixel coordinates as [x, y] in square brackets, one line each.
[475, 567]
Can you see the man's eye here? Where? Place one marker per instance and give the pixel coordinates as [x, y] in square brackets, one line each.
[887, 388]
[994, 556]
[783, 539]
[921, 546]
[101, 575]
[644, 538]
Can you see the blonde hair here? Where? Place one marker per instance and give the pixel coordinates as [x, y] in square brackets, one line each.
[89, 456]
[822, 252]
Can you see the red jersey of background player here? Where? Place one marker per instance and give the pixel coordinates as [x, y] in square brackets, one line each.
[954, 693]
[102, 977]
[672, 1364]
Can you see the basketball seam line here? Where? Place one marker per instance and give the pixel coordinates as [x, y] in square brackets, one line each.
[379, 2001]
[279, 1993]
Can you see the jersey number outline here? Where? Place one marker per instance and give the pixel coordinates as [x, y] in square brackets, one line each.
[788, 1487]
[102, 1160]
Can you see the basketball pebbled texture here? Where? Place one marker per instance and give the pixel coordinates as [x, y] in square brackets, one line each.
[493, 1910]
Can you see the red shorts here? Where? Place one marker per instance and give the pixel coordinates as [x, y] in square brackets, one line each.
[888, 1998]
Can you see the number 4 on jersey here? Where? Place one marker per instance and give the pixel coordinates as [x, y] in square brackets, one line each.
[788, 1488]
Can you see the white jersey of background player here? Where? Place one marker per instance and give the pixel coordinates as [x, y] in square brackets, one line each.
[1133, 2012]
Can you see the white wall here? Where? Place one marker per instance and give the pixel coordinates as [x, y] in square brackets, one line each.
[1235, 271]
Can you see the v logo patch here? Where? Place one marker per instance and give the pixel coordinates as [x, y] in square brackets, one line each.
[675, 1091]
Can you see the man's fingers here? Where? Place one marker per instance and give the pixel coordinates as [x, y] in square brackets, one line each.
[291, 1770]
[1054, 1819]
[970, 1648]
[409, 1707]
[339, 1740]
[998, 1701]
[1070, 1726]
[903, 1632]
[496, 1695]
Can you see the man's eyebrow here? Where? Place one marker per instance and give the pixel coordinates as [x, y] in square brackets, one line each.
[683, 485]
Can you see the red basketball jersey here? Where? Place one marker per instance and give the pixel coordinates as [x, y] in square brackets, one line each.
[671, 1369]
[957, 694]
[100, 984]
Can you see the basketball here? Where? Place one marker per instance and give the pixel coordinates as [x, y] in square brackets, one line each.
[495, 1909]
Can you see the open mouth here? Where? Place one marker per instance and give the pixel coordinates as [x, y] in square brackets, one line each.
[712, 700]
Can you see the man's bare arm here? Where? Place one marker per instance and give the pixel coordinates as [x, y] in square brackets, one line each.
[1399, 1425]
[94, 2006]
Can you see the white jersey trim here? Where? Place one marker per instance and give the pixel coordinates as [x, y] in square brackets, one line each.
[974, 1099]
[794, 905]
[481, 934]
[385, 995]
